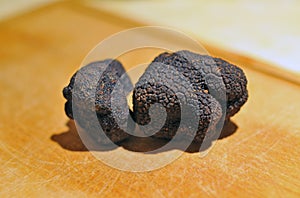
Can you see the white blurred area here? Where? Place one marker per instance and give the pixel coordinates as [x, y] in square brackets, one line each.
[266, 29]
[10, 8]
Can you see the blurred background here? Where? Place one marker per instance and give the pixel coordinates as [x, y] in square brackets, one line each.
[265, 29]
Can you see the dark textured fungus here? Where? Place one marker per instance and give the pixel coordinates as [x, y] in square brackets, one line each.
[233, 78]
[212, 82]
[89, 96]
[179, 93]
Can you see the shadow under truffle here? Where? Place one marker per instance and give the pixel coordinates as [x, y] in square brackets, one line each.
[70, 140]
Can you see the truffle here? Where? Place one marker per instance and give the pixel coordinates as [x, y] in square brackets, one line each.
[236, 86]
[233, 77]
[89, 96]
[213, 82]
[166, 79]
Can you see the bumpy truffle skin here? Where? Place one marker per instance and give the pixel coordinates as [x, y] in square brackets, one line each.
[214, 81]
[236, 86]
[189, 88]
[199, 67]
[87, 101]
[162, 84]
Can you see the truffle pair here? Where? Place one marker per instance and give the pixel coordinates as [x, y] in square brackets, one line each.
[179, 93]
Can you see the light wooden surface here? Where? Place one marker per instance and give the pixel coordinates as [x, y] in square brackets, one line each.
[41, 156]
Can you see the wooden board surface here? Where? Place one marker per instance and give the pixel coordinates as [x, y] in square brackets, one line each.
[42, 156]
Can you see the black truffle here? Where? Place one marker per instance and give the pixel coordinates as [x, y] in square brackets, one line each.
[213, 81]
[90, 92]
[233, 77]
[236, 86]
[166, 79]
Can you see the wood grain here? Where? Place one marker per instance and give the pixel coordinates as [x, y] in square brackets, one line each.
[42, 156]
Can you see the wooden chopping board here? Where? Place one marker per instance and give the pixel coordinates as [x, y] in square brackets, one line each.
[41, 155]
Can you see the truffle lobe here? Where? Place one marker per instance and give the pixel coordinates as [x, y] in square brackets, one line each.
[89, 94]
